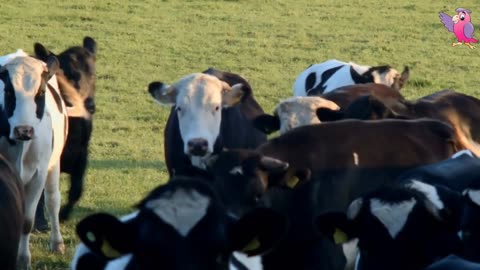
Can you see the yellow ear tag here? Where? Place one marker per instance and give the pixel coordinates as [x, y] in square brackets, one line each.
[253, 245]
[292, 182]
[108, 251]
[339, 236]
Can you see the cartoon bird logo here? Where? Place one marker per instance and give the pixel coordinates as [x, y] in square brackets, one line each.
[461, 26]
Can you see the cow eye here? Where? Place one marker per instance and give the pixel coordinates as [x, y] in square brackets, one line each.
[217, 108]
[41, 92]
[179, 109]
[462, 17]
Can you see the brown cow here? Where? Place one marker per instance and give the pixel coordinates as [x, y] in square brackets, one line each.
[460, 110]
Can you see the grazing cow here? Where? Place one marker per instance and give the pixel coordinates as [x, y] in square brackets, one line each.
[329, 168]
[211, 110]
[398, 227]
[453, 262]
[11, 219]
[34, 131]
[460, 110]
[322, 78]
[77, 69]
[293, 112]
[180, 225]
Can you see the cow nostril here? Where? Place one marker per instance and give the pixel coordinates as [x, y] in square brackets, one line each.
[23, 132]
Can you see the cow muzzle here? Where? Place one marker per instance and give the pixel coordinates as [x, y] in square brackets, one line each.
[197, 147]
[23, 133]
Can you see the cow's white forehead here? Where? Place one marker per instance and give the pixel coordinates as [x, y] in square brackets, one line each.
[474, 196]
[25, 73]
[392, 216]
[182, 209]
[429, 191]
[199, 88]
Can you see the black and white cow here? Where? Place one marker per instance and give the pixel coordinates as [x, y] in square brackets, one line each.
[211, 110]
[34, 130]
[398, 226]
[322, 78]
[11, 219]
[77, 71]
[180, 225]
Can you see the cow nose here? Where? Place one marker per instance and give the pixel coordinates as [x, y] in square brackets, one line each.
[197, 147]
[23, 133]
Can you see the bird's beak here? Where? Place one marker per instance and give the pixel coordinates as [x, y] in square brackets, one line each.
[455, 19]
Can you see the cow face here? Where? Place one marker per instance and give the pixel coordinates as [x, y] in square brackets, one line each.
[198, 99]
[181, 225]
[293, 112]
[23, 83]
[396, 227]
[470, 225]
[389, 76]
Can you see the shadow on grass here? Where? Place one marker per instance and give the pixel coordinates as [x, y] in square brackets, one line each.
[126, 164]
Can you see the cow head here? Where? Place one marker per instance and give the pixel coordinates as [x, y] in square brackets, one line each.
[23, 83]
[78, 64]
[198, 99]
[182, 225]
[406, 227]
[388, 76]
[293, 112]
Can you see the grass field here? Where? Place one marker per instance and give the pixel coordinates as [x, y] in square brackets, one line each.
[268, 42]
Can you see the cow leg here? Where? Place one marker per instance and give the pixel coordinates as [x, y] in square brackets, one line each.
[33, 191]
[41, 223]
[52, 199]
[76, 185]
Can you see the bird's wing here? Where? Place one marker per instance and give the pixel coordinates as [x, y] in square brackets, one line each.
[468, 30]
[446, 20]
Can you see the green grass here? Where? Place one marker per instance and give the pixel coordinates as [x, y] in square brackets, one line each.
[268, 42]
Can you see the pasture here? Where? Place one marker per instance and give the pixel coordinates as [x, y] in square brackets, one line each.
[268, 42]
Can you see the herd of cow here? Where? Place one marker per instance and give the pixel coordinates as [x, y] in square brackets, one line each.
[359, 177]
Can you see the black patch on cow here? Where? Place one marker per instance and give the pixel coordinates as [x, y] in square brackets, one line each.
[310, 81]
[57, 97]
[367, 77]
[326, 75]
[238, 265]
[9, 95]
[40, 101]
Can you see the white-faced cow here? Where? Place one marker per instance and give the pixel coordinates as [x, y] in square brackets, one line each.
[211, 110]
[34, 129]
[77, 69]
[11, 219]
[322, 78]
[180, 225]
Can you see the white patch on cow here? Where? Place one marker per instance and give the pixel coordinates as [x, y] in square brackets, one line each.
[182, 209]
[460, 235]
[392, 216]
[236, 170]
[251, 263]
[474, 195]
[120, 263]
[129, 216]
[5, 59]
[429, 191]
[357, 261]
[198, 162]
[461, 153]
[354, 208]
[350, 250]
[80, 251]
[355, 159]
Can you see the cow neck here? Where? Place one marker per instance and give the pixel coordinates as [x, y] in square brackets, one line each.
[5, 126]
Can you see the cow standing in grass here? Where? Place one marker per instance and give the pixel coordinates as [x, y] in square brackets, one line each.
[34, 130]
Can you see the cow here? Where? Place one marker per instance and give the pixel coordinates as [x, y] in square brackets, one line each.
[460, 110]
[397, 226]
[291, 113]
[77, 69]
[11, 220]
[324, 77]
[180, 225]
[453, 262]
[328, 168]
[34, 130]
[210, 111]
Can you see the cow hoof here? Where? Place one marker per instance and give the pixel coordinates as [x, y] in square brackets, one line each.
[58, 248]
[23, 263]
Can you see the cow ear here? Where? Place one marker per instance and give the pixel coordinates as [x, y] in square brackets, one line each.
[257, 232]
[273, 165]
[267, 123]
[41, 52]
[105, 235]
[90, 44]
[328, 115]
[335, 226]
[163, 94]
[53, 65]
[231, 96]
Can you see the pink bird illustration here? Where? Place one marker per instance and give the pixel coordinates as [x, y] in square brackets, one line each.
[461, 26]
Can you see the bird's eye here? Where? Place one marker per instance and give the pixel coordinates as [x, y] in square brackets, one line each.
[462, 17]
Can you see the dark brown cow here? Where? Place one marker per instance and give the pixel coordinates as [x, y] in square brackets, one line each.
[460, 110]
